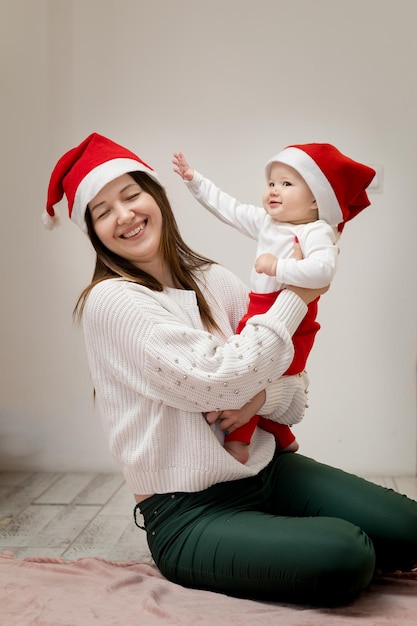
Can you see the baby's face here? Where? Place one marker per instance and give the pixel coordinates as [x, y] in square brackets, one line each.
[288, 197]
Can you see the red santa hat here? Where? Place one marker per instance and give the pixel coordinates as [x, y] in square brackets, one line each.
[83, 171]
[337, 182]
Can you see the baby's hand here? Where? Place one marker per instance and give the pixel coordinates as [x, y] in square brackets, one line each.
[181, 166]
[266, 264]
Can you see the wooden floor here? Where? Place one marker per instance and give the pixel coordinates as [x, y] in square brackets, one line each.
[77, 515]
[69, 515]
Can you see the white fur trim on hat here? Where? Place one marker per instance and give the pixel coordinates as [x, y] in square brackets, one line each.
[327, 202]
[97, 178]
[50, 221]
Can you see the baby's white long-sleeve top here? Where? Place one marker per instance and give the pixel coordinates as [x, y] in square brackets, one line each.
[155, 370]
[317, 239]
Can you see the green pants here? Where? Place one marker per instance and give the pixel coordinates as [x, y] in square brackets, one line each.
[300, 532]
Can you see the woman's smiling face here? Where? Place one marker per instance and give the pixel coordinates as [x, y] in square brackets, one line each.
[128, 221]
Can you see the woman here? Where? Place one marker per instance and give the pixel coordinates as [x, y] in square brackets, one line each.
[171, 377]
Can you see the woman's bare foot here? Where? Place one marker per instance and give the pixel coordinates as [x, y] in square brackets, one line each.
[239, 450]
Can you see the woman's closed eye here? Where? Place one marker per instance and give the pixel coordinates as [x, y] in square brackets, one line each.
[133, 196]
[101, 213]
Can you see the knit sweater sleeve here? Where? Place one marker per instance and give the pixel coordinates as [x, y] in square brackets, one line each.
[287, 399]
[154, 345]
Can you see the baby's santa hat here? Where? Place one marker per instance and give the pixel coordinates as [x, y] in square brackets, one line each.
[83, 171]
[337, 182]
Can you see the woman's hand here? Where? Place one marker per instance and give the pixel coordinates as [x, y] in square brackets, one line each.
[182, 167]
[307, 295]
[297, 252]
[232, 419]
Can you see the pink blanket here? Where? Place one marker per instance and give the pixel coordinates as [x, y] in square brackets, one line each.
[39, 591]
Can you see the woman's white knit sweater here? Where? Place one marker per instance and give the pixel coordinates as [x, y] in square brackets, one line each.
[156, 370]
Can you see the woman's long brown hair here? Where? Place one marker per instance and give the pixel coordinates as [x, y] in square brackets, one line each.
[182, 260]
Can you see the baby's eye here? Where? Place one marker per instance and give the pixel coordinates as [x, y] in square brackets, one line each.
[286, 183]
[272, 184]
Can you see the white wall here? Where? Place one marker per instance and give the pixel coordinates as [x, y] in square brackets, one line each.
[229, 82]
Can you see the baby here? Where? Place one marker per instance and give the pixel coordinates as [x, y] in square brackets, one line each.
[313, 189]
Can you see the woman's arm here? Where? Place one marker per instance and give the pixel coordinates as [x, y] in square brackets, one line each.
[157, 348]
[292, 401]
[283, 401]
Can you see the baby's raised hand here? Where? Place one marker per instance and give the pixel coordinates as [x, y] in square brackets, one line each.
[182, 167]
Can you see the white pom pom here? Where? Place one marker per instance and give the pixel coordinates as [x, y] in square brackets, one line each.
[49, 221]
